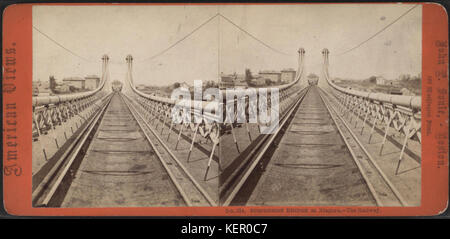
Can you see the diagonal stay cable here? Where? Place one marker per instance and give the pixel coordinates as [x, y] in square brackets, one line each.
[252, 36]
[380, 31]
[60, 45]
[180, 40]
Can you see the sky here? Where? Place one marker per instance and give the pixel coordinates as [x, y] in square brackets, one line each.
[218, 46]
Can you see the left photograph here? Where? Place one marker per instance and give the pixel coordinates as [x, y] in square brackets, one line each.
[104, 128]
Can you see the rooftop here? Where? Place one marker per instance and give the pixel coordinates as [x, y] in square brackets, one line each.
[287, 69]
[76, 78]
[92, 76]
[269, 72]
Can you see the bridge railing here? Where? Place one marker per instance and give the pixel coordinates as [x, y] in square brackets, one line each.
[287, 95]
[212, 113]
[50, 111]
[160, 111]
[162, 106]
[391, 112]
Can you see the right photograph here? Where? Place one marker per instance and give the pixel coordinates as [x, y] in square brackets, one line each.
[322, 105]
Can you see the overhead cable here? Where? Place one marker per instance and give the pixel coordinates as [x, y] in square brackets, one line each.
[60, 45]
[380, 31]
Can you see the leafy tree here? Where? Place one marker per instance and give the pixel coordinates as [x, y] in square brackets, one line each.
[176, 85]
[373, 79]
[312, 75]
[52, 83]
[248, 75]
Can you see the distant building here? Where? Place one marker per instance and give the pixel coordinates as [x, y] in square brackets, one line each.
[395, 92]
[274, 76]
[259, 81]
[35, 90]
[227, 77]
[185, 85]
[141, 87]
[404, 77]
[380, 81]
[288, 75]
[232, 80]
[406, 92]
[76, 82]
[62, 88]
[240, 81]
[227, 80]
[91, 82]
[41, 88]
[393, 83]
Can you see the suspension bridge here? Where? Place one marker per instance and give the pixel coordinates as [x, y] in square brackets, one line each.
[118, 146]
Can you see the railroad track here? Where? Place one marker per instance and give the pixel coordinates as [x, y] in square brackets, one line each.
[186, 135]
[237, 175]
[48, 191]
[314, 159]
[119, 161]
[384, 191]
[192, 191]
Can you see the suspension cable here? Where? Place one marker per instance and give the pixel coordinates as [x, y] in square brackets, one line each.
[60, 45]
[380, 31]
[180, 40]
[252, 36]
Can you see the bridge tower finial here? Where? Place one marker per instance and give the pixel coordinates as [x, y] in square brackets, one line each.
[325, 53]
[129, 60]
[301, 56]
[301, 53]
[105, 60]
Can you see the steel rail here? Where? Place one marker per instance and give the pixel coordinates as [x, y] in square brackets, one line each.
[53, 179]
[266, 141]
[352, 153]
[136, 114]
[372, 161]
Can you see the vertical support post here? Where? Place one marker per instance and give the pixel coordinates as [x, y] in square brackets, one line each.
[170, 130]
[164, 122]
[209, 161]
[157, 122]
[364, 122]
[234, 137]
[179, 135]
[357, 118]
[53, 130]
[404, 146]
[373, 128]
[385, 134]
[45, 154]
[248, 132]
[351, 115]
[193, 141]
[36, 123]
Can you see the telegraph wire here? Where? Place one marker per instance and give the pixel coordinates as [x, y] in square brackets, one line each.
[380, 31]
[60, 45]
